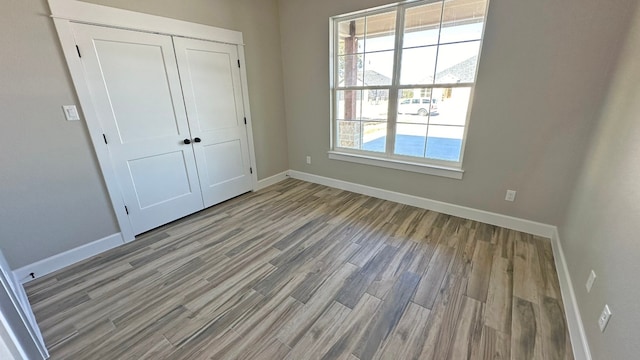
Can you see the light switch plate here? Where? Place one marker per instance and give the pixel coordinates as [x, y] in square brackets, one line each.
[71, 112]
[590, 280]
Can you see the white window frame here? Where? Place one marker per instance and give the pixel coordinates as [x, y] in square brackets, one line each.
[387, 159]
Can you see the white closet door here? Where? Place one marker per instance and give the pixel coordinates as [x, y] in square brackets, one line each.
[213, 96]
[135, 87]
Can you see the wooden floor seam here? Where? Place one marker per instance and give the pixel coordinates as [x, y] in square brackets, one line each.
[304, 271]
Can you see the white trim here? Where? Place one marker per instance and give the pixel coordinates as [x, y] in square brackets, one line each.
[16, 330]
[387, 159]
[575, 325]
[80, 253]
[578, 336]
[17, 317]
[69, 257]
[67, 41]
[421, 168]
[107, 16]
[27, 313]
[486, 217]
[9, 346]
[64, 12]
[272, 180]
[247, 115]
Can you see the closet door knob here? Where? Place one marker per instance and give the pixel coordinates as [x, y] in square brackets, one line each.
[197, 139]
[187, 141]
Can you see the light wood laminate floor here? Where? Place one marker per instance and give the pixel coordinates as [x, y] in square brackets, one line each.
[303, 271]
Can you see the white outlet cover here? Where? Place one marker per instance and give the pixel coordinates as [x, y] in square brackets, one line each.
[511, 195]
[604, 318]
[590, 280]
[308, 159]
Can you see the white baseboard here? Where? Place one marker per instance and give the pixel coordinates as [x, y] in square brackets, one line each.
[574, 321]
[271, 180]
[578, 336]
[69, 257]
[509, 222]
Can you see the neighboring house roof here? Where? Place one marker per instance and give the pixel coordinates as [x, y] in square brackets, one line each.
[461, 72]
[372, 78]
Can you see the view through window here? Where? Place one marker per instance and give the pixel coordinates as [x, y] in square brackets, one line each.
[403, 78]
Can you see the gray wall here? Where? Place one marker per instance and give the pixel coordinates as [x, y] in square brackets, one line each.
[52, 196]
[602, 226]
[542, 77]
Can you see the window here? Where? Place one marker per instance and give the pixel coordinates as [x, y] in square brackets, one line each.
[403, 79]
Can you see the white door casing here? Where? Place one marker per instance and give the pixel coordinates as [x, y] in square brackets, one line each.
[17, 318]
[210, 76]
[66, 13]
[136, 92]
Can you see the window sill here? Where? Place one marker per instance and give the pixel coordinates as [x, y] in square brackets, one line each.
[443, 171]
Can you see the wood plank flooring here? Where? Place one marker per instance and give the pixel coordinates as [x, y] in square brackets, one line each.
[303, 271]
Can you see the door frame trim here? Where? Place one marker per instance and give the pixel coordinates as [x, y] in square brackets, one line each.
[65, 12]
[79, 11]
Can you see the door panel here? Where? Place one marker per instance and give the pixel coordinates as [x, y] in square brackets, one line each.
[148, 117]
[224, 161]
[215, 105]
[213, 96]
[136, 91]
[168, 167]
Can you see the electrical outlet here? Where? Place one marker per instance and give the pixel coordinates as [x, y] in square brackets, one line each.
[603, 320]
[590, 280]
[308, 160]
[511, 195]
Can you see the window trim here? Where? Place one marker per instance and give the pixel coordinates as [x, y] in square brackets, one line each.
[398, 164]
[424, 165]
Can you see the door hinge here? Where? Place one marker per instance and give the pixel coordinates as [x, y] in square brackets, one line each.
[105, 138]
[245, 121]
[126, 209]
[251, 170]
[78, 50]
[238, 62]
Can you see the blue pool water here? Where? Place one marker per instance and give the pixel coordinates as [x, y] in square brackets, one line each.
[437, 148]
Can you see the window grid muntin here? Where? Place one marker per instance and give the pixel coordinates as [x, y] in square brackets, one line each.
[395, 87]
